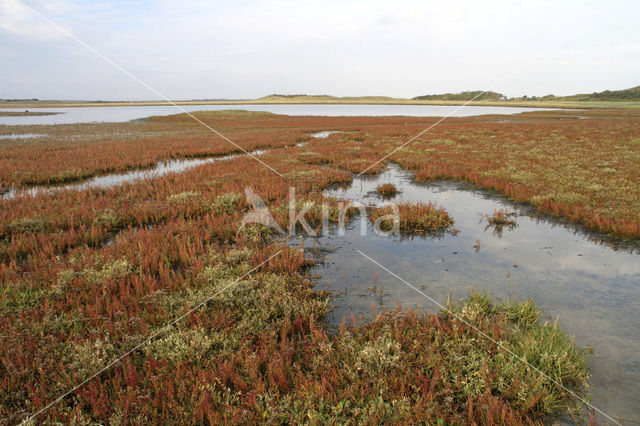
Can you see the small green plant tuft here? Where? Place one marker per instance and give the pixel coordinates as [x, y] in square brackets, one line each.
[183, 197]
[228, 203]
[29, 225]
[107, 218]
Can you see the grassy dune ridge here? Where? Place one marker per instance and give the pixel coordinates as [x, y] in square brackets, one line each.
[87, 275]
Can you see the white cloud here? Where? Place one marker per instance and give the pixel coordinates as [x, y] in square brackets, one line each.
[19, 21]
[247, 49]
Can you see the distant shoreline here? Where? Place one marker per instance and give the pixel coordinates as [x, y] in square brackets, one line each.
[313, 100]
[26, 113]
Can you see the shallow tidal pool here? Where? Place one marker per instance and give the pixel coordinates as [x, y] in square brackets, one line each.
[590, 283]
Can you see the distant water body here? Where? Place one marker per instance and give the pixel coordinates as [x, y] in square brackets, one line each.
[120, 114]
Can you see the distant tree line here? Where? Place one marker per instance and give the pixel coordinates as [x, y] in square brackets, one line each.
[632, 94]
[478, 95]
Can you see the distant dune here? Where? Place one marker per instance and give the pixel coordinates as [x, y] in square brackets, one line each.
[608, 98]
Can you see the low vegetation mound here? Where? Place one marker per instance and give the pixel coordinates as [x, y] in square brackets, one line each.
[477, 363]
[414, 218]
[387, 190]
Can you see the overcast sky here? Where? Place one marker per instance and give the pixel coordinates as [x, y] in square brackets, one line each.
[247, 49]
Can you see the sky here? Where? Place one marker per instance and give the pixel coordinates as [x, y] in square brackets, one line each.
[200, 49]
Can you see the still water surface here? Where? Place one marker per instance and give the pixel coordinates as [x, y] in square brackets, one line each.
[592, 287]
[120, 114]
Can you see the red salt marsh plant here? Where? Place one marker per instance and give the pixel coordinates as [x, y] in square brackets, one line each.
[581, 169]
[87, 275]
[411, 218]
[387, 190]
[72, 152]
[501, 217]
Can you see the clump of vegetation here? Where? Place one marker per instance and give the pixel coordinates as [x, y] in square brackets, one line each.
[94, 275]
[501, 217]
[412, 218]
[183, 345]
[528, 348]
[316, 211]
[32, 224]
[387, 190]
[228, 203]
[183, 197]
[107, 218]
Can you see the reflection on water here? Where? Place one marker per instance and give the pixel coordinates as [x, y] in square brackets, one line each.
[592, 288]
[120, 114]
[106, 181]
